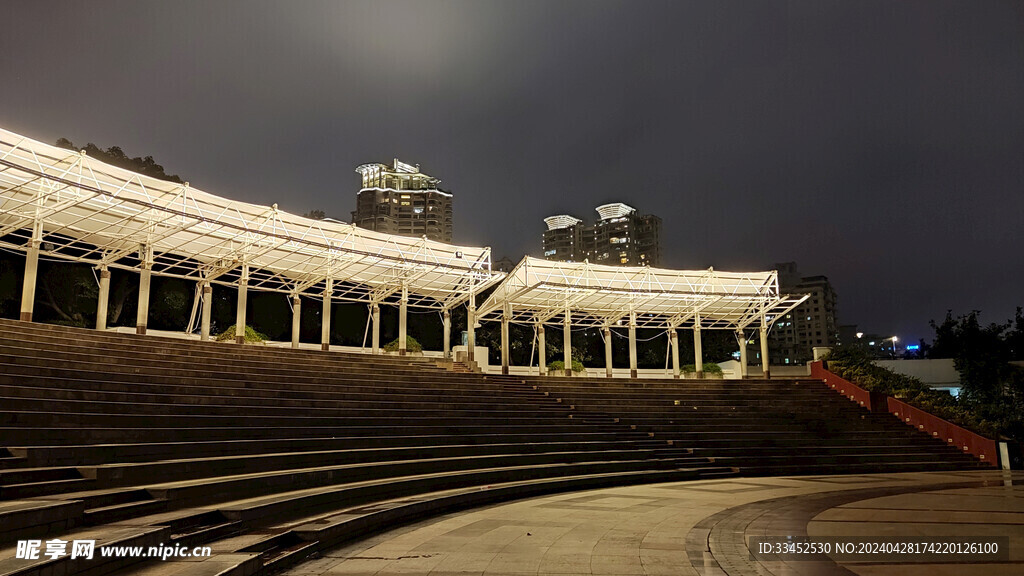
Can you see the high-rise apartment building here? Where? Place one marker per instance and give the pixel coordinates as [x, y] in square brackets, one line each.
[813, 323]
[401, 200]
[563, 239]
[620, 237]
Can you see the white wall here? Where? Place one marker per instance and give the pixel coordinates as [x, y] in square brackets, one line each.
[937, 372]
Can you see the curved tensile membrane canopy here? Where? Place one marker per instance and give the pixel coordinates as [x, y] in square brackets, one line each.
[79, 209]
[591, 295]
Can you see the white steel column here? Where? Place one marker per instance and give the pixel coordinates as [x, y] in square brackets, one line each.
[403, 311]
[608, 368]
[446, 323]
[567, 344]
[204, 320]
[243, 292]
[673, 335]
[504, 339]
[142, 318]
[698, 352]
[741, 338]
[28, 288]
[103, 299]
[471, 328]
[296, 319]
[375, 338]
[764, 349]
[632, 344]
[325, 320]
[542, 356]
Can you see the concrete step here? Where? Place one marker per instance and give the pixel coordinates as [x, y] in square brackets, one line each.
[21, 519]
[76, 382]
[93, 391]
[243, 409]
[22, 436]
[149, 452]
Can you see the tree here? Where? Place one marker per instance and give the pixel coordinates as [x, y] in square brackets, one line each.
[116, 156]
[68, 290]
[945, 344]
[981, 354]
[315, 214]
[1015, 336]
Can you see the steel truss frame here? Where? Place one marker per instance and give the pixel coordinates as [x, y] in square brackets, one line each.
[595, 296]
[82, 210]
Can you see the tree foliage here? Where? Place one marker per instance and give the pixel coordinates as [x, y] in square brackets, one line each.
[981, 353]
[69, 291]
[116, 156]
[858, 367]
[991, 400]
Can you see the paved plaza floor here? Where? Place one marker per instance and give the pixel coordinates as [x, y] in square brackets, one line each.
[704, 527]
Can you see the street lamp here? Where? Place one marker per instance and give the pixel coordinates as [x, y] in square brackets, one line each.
[894, 340]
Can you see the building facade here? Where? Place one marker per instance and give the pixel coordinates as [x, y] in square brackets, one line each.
[399, 199]
[620, 237]
[814, 323]
[563, 240]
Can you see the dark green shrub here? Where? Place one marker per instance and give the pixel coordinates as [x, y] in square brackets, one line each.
[709, 368]
[857, 367]
[559, 366]
[251, 335]
[411, 345]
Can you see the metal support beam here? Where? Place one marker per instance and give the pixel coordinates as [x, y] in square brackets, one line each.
[471, 328]
[28, 288]
[608, 368]
[567, 343]
[504, 339]
[375, 337]
[446, 324]
[325, 320]
[296, 319]
[243, 292]
[632, 344]
[145, 275]
[204, 321]
[103, 299]
[403, 320]
[673, 335]
[142, 318]
[741, 339]
[765, 366]
[542, 356]
[698, 352]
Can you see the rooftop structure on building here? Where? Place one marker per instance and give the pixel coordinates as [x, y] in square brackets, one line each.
[399, 199]
[620, 236]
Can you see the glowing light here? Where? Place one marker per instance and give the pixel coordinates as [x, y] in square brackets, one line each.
[616, 210]
[561, 221]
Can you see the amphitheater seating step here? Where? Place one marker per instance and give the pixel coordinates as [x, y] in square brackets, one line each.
[270, 455]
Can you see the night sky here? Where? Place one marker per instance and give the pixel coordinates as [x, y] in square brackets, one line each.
[878, 143]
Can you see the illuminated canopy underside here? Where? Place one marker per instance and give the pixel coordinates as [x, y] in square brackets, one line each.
[99, 214]
[543, 291]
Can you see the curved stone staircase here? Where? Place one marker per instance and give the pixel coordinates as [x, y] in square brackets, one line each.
[269, 455]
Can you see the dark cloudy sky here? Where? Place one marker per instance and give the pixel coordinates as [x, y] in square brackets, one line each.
[878, 143]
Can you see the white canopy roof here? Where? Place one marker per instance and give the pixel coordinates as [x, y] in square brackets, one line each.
[86, 211]
[544, 291]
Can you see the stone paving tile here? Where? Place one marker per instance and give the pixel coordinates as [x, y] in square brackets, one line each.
[693, 529]
[615, 564]
[564, 562]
